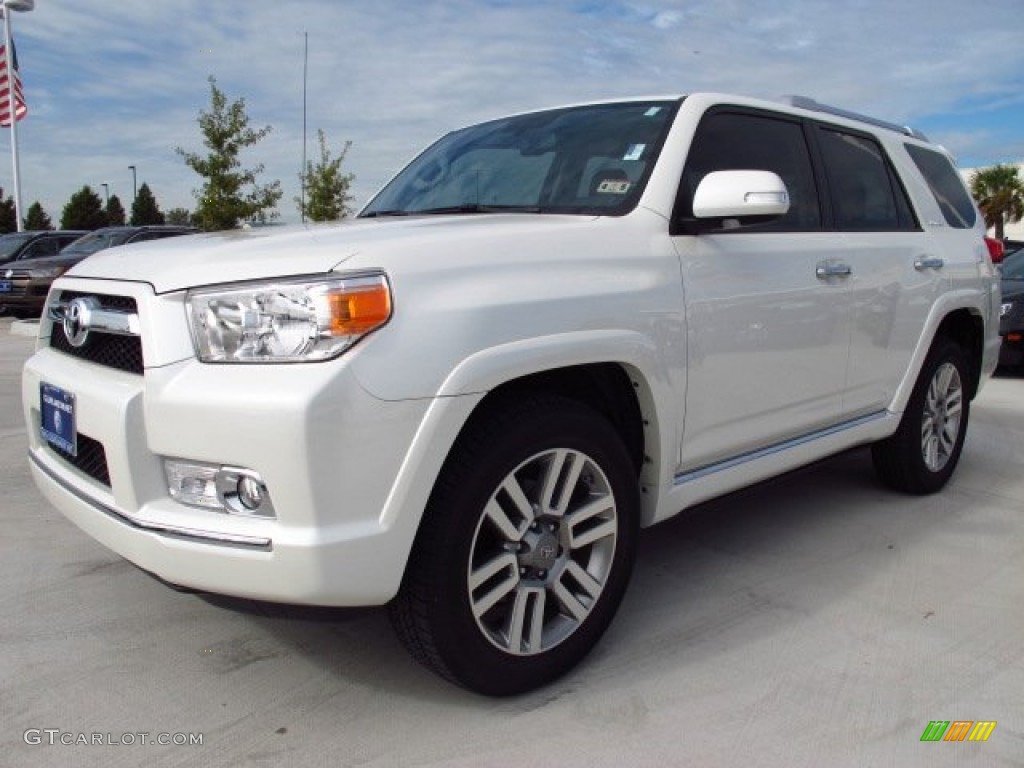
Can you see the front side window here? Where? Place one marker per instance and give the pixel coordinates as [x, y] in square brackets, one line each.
[738, 141]
[866, 197]
[588, 160]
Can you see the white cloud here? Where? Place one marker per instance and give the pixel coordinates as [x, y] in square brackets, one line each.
[123, 84]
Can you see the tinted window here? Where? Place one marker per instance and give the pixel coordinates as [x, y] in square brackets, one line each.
[46, 246]
[864, 191]
[946, 186]
[590, 160]
[728, 141]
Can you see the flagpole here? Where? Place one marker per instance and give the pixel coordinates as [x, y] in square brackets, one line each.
[13, 100]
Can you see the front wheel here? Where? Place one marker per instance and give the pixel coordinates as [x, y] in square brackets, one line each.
[921, 456]
[525, 550]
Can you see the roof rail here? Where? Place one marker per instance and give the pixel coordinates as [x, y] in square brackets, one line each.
[805, 102]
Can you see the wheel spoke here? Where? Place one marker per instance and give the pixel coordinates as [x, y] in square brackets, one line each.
[497, 514]
[526, 618]
[568, 598]
[563, 472]
[486, 575]
[583, 530]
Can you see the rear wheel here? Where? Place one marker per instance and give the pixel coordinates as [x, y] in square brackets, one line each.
[525, 550]
[921, 456]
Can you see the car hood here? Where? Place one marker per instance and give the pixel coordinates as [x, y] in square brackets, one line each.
[209, 259]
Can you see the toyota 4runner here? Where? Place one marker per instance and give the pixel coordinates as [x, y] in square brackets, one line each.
[546, 332]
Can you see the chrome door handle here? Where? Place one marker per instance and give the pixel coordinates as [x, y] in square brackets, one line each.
[825, 271]
[929, 263]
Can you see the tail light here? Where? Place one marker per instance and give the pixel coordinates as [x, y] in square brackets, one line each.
[995, 249]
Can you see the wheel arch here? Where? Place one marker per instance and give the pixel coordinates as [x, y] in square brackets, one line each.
[966, 328]
[961, 322]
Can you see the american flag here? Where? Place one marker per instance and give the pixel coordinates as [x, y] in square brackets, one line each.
[5, 88]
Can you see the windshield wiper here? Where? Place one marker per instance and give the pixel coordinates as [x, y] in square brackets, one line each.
[390, 212]
[479, 208]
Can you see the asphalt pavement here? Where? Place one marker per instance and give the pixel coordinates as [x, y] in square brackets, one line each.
[816, 620]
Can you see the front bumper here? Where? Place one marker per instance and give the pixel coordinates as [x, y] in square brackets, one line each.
[330, 454]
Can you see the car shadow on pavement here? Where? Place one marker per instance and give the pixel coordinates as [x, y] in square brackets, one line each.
[722, 574]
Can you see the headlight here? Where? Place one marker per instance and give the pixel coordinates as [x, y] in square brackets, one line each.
[45, 272]
[286, 321]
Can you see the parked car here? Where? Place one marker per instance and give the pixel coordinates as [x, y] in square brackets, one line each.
[23, 286]
[1011, 247]
[547, 331]
[34, 245]
[1011, 313]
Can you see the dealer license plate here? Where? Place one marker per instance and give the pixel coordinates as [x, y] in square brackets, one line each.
[57, 407]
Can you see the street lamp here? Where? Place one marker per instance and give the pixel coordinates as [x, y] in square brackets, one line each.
[14, 5]
[135, 189]
[106, 193]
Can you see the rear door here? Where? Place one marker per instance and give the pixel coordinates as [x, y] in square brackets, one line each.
[896, 273]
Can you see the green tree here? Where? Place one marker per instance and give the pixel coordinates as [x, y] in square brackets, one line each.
[326, 187]
[115, 212]
[83, 211]
[999, 193]
[179, 216]
[230, 194]
[8, 214]
[37, 219]
[144, 209]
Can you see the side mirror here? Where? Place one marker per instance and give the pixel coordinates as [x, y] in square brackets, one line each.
[729, 199]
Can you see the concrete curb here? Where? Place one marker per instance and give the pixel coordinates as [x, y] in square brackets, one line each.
[25, 328]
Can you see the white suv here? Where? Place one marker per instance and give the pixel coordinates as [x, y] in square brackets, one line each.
[546, 332]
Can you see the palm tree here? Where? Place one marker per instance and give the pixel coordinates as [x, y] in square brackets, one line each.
[999, 193]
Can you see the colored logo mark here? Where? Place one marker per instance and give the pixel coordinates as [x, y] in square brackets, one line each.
[958, 730]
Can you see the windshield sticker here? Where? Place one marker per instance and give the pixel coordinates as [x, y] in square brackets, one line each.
[613, 187]
[634, 151]
[652, 111]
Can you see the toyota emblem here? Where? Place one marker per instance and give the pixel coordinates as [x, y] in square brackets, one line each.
[77, 319]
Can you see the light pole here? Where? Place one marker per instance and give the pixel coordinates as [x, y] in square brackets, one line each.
[135, 189]
[106, 194]
[14, 5]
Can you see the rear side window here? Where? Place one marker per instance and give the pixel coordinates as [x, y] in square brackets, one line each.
[732, 141]
[946, 186]
[866, 196]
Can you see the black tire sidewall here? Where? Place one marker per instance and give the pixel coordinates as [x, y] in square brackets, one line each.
[924, 478]
[470, 478]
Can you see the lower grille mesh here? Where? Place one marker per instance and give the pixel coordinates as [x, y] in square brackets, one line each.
[91, 458]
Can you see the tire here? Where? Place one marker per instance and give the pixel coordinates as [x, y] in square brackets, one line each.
[525, 550]
[922, 454]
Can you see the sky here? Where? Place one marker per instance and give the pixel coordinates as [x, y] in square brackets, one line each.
[114, 83]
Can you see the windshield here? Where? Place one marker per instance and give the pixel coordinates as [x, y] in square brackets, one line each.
[589, 160]
[97, 241]
[1013, 266]
[11, 243]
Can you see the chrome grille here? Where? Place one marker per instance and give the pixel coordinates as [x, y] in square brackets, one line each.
[123, 352]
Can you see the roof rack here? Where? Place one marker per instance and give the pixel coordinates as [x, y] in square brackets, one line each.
[805, 102]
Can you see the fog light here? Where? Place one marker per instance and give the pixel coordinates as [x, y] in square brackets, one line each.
[250, 493]
[234, 490]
